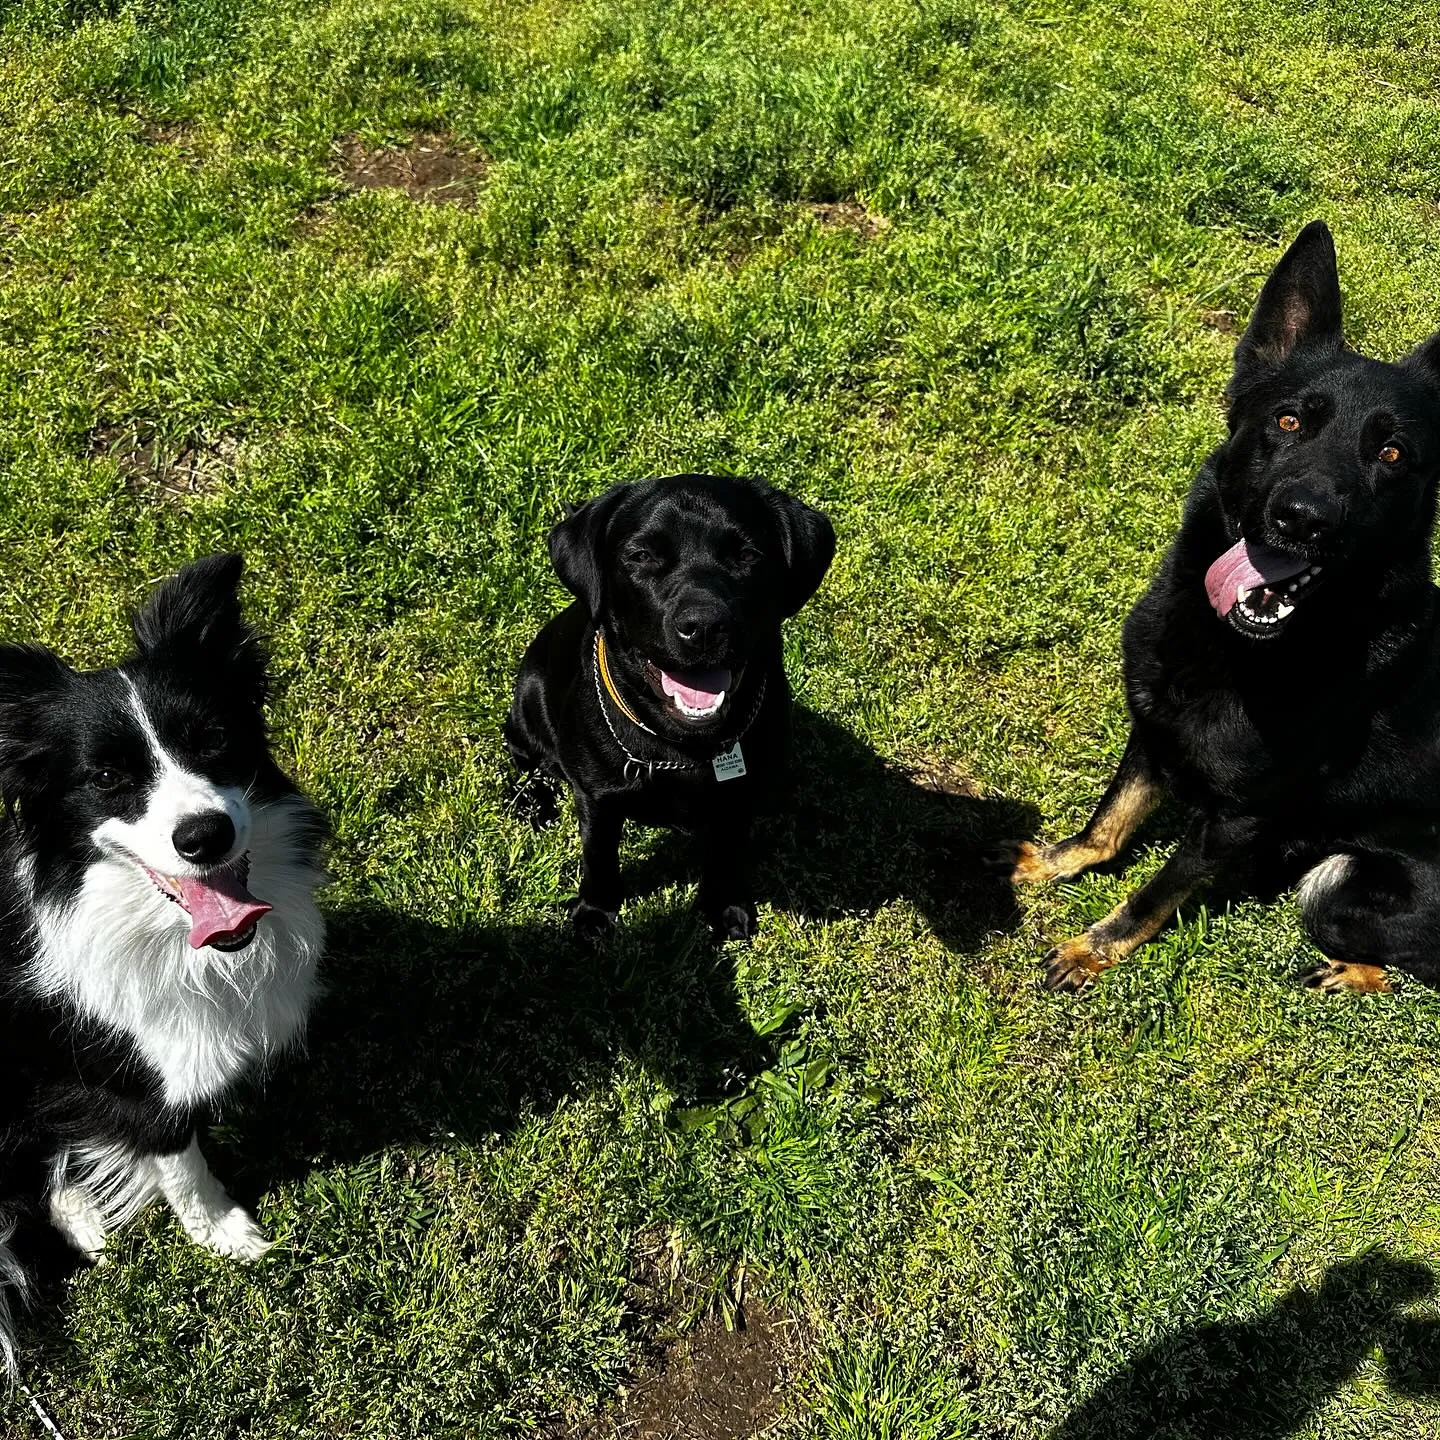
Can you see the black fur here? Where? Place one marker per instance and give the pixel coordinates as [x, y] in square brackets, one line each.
[723, 562]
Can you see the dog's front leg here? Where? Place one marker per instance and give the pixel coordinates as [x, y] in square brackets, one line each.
[724, 897]
[1130, 797]
[210, 1217]
[1209, 843]
[597, 907]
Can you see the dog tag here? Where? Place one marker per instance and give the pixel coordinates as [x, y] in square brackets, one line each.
[729, 764]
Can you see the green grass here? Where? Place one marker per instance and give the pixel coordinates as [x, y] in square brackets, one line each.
[975, 1202]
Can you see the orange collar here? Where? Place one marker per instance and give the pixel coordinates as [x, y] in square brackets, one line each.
[602, 667]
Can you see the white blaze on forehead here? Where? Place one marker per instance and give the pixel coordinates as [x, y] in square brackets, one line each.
[175, 794]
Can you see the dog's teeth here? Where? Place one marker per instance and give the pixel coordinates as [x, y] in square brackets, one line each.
[1284, 610]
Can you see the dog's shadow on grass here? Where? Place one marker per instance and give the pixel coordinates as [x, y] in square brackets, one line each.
[1262, 1379]
[427, 1032]
[861, 832]
[855, 832]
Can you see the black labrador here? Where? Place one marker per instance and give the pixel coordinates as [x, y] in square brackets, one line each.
[660, 695]
[1283, 668]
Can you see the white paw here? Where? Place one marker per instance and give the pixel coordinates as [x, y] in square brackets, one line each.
[79, 1220]
[232, 1232]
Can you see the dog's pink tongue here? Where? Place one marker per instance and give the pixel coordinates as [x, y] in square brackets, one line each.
[1244, 566]
[699, 689]
[219, 907]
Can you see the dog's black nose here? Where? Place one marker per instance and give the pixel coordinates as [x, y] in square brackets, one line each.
[204, 838]
[1302, 515]
[698, 624]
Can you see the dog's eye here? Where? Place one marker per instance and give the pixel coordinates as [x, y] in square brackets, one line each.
[639, 555]
[751, 555]
[1288, 421]
[1390, 453]
[207, 741]
[107, 778]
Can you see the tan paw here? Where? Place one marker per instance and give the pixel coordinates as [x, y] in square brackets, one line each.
[1337, 976]
[1023, 862]
[1072, 966]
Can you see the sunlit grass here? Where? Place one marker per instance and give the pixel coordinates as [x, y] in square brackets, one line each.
[966, 275]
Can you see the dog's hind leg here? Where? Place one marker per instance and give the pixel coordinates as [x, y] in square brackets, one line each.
[1367, 912]
[724, 897]
[1208, 845]
[533, 797]
[1130, 797]
[210, 1217]
[532, 792]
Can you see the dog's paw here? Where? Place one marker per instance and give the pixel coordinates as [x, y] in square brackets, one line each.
[734, 922]
[1070, 967]
[1334, 977]
[79, 1220]
[591, 922]
[233, 1233]
[1023, 862]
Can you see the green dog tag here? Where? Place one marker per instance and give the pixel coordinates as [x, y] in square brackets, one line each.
[729, 764]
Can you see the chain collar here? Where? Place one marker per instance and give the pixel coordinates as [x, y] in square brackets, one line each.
[635, 767]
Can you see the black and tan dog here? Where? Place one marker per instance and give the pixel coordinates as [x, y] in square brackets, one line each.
[1283, 668]
[660, 695]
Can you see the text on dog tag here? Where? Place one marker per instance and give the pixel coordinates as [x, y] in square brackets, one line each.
[729, 764]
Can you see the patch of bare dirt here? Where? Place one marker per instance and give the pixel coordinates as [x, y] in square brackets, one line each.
[180, 133]
[938, 776]
[429, 167]
[161, 468]
[712, 1384]
[721, 1378]
[848, 215]
[1221, 320]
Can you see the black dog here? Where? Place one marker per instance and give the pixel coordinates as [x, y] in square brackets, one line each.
[1283, 669]
[660, 694]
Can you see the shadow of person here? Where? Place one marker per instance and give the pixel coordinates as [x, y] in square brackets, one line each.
[1261, 1379]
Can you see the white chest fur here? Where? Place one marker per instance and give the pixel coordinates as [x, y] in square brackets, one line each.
[119, 952]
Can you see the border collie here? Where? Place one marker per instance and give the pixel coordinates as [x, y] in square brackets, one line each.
[158, 928]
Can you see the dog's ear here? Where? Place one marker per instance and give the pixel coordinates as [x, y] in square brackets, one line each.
[30, 676]
[577, 548]
[195, 616]
[809, 540]
[1426, 356]
[1298, 306]
[29, 673]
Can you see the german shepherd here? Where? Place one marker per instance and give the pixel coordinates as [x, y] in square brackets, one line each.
[1283, 669]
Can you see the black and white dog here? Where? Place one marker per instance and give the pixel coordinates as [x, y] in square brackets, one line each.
[158, 928]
